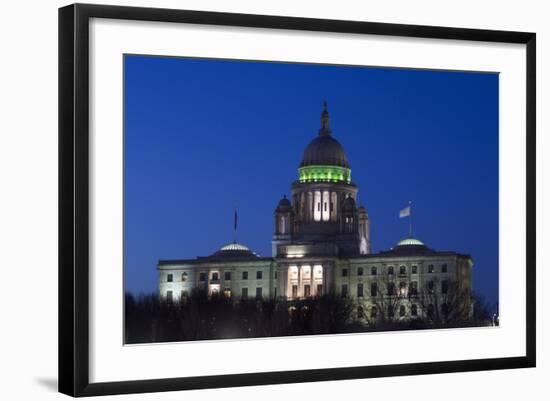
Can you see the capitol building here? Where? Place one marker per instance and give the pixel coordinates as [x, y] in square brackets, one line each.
[321, 245]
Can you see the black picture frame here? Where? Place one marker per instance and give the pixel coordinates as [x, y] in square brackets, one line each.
[74, 198]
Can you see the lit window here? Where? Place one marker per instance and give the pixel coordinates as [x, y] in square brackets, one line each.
[227, 276]
[259, 275]
[227, 293]
[170, 278]
[245, 275]
[360, 290]
[402, 289]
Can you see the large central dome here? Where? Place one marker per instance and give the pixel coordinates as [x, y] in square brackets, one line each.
[324, 158]
[324, 151]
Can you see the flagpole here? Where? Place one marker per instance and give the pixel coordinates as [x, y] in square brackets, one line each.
[410, 219]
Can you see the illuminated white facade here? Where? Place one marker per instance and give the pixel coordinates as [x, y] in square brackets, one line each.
[322, 245]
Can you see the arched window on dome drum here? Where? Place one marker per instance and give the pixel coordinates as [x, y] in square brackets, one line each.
[326, 200]
[317, 210]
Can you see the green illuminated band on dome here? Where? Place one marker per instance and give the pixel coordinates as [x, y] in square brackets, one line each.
[324, 174]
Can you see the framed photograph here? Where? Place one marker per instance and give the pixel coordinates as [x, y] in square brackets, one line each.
[212, 233]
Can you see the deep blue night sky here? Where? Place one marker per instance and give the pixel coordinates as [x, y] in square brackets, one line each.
[204, 136]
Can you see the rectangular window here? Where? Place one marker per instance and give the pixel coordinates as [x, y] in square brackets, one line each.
[390, 270]
[319, 289]
[184, 294]
[373, 271]
[245, 275]
[359, 271]
[294, 291]
[170, 278]
[402, 270]
[215, 276]
[318, 206]
[307, 290]
[259, 275]
[430, 286]
[402, 310]
[259, 293]
[227, 276]
[431, 268]
[391, 288]
[413, 288]
[169, 296]
[202, 277]
[414, 310]
[360, 290]
[374, 290]
[444, 287]
[227, 292]
[344, 290]
[326, 206]
[444, 268]
[344, 272]
[414, 269]
[275, 292]
[244, 293]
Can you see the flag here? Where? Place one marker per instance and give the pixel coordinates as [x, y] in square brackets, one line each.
[405, 212]
[235, 221]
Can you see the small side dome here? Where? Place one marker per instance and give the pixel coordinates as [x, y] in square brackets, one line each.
[234, 246]
[284, 205]
[362, 210]
[233, 250]
[410, 242]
